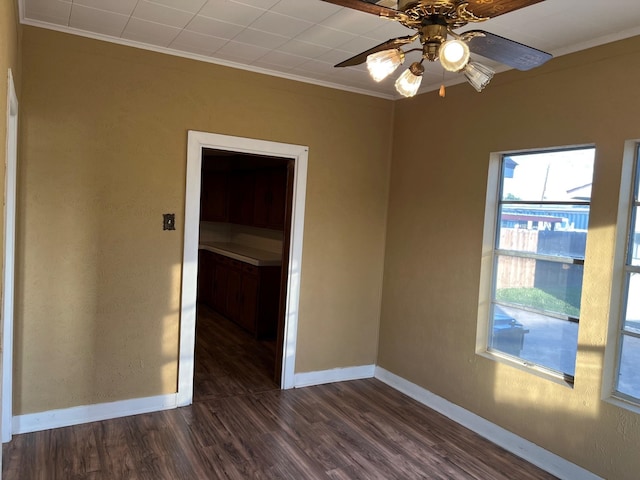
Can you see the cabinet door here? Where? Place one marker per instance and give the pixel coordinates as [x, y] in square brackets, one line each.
[214, 201]
[262, 199]
[278, 192]
[270, 194]
[268, 302]
[205, 276]
[249, 302]
[241, 198]
[219, 294]
[234, 285]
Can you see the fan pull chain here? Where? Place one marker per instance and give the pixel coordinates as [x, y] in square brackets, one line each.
[442, 91]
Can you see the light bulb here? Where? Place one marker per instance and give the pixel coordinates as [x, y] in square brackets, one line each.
[384, 63]
[478, 75]
[454, 55]
[408, 83]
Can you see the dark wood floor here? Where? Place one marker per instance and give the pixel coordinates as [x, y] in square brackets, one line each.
[229, 362]
[241, 426]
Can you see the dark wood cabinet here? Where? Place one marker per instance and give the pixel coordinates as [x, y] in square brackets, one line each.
[234, 288]
[220, 285]
[205, 276]
[268, 302]
[241, 197]
[214, 196]
[249, 301]
[244, 189]
[269, 198]
[246, 294]
[256, 198]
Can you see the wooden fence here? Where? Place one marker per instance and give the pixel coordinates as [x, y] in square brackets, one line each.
[514, 272]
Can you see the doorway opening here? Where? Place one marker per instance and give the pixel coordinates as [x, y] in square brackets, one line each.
[202, 145]
[245, 220]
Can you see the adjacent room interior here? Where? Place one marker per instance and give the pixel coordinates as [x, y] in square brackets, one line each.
[245, 223]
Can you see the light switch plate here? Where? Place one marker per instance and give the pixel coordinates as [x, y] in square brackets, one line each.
[168, 221]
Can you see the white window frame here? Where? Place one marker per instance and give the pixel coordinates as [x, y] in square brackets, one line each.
[487, 266]
[630, 164]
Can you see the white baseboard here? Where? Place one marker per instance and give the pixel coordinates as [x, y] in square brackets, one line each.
[66, 417]
[511, 442]
[309, 379]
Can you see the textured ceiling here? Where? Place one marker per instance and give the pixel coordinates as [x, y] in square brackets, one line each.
[303, 39]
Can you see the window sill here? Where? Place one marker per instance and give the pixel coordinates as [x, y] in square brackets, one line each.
[623, 403]
[524, 366]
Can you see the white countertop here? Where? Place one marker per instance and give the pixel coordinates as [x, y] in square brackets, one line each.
[252, 256]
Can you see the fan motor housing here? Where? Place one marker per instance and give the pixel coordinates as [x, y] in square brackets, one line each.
[404, 5]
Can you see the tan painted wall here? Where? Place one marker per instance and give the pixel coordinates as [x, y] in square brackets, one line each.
[432, 270]
[104, 155]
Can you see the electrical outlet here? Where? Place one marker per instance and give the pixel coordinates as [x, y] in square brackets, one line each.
[168, 221]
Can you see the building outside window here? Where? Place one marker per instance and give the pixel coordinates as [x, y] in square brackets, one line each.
[539, 240]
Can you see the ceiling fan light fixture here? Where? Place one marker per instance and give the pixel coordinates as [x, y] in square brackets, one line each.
[434, 23]
[478, 75]
[384, 63]
[454, 55]
[408, 83]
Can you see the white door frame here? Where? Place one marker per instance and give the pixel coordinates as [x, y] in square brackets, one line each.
[196, 142]
[9, 258]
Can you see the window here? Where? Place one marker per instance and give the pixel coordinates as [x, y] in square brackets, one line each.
[628, 377]
[539, 227]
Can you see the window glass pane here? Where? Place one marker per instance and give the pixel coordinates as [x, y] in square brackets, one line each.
[548, 176]
[539, 284]
[544, 229]
[629, 377]
[632, 320]
[636, 194]
[539, 339]
[634, 241]
[543, 215]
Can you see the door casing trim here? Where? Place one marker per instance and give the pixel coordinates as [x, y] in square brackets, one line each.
[299, 154]
[9, 258]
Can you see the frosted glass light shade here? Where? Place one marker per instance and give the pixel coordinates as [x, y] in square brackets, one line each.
[408, 83]
[478, 75]
[454, 55]
[384, 63]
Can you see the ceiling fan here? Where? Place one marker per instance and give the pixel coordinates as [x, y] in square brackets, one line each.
[434, 22]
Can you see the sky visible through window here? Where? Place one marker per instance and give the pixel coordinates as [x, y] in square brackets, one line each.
[552, 176]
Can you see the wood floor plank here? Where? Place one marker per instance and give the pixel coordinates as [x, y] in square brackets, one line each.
[114, 450]
[241, 426]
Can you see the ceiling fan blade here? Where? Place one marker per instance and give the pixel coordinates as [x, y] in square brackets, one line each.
[388, 45]
[366, 7]
[503, 50]
[482, 8]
